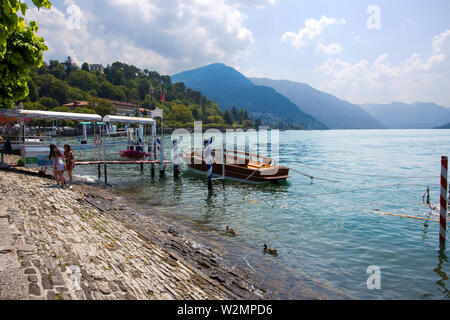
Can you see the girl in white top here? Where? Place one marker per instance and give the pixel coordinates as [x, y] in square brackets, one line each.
[58, 164]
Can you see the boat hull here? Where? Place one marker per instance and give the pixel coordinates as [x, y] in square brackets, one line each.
[236, 172]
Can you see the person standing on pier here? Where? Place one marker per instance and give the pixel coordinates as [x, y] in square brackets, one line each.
[70, 162]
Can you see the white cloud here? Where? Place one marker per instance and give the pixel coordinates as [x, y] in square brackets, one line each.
[415, 79]
[251, 73]
[257, 3]
[312, 30]
[332, 49]
[162, 35]
[82, 46]
[358, 38]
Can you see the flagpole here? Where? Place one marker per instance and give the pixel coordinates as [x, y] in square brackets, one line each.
[162, 125]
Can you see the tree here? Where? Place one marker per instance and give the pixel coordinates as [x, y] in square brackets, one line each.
[109, 91]
[34, 106]
[48, 102]
[235, 113]
[196, 113]
[20, 50]
[181, 114]
[60, 92]
[143, 88]
[57, 69]
[83, 80]
[102, 107]
[214, 119]
[11, 23]
[85, 66]
[228, 117]
[33, 91]
[85, 110]
[68, 65]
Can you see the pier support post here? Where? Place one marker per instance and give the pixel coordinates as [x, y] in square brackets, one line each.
[106, 174]
[152, 150]
[443, 202]
[209, 162]
[2, 163]
[161, 157]
[223, 166]
[97, 143]
[175, 158]
[141, 142]
[84, 141]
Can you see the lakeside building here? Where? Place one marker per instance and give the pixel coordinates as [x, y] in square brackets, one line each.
[96, 67]
[125, 108]
[76, 104]
[120, 108]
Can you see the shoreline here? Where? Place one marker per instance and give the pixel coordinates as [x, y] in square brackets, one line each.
[85, 243]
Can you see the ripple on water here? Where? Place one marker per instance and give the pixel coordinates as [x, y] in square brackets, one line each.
[320, 228]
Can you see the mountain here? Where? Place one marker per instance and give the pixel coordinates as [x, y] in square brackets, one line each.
[445, 126]
[419, 115]
[331, 111]
[228, 88]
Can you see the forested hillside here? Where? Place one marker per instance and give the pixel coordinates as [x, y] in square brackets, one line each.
[57, 83]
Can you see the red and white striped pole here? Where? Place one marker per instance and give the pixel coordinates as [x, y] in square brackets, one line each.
[443, 219]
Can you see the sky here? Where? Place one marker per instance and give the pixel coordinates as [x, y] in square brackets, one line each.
[360, 51]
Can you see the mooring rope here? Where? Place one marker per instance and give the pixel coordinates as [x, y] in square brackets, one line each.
[371, 175]
[312, 177]
[368, 188]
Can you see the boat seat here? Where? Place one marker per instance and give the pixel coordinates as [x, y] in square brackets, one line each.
[257, 165]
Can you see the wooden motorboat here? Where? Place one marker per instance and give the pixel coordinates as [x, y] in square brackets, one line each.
[133, 154]
[237, 165]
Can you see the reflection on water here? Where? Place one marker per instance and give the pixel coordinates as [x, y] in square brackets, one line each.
[326, 231]
[442, 257]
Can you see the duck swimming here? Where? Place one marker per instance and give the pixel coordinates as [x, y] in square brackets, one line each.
[230, 232]
[270, 250]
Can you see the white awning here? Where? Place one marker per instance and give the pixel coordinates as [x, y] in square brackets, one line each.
[120, 119]
[8, 113]
[51, 115]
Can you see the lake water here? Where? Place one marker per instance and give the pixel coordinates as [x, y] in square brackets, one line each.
[326, 231]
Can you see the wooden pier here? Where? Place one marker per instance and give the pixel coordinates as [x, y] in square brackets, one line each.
[82, 163]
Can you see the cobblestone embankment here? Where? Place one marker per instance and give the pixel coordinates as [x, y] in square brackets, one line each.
[57, 243]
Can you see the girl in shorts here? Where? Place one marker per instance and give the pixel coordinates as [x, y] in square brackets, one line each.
[70, 162]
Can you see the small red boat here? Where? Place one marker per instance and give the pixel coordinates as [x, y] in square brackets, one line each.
[238, 165]
[133, 154]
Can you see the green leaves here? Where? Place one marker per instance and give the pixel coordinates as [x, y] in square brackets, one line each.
[42, 3]
[20, 50]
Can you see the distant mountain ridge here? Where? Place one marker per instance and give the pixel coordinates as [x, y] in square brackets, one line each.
[445, 126]
[419, 115]
[331, 111]
[228, 88]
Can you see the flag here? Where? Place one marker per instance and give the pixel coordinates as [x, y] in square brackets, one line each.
[161, 96]
[151, 93]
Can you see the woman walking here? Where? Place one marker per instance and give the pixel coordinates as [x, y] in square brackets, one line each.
[58, 164]
[70, 162]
